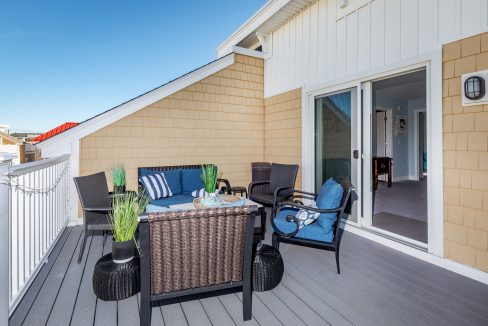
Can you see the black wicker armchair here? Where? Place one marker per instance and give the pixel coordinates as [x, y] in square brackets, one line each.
[95, 204]
[292, 238]
[281, 186]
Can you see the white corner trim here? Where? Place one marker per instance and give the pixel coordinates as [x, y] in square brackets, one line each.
[136, 104]
[450, 265]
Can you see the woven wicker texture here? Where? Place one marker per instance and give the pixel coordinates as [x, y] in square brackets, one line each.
[267, 268]
[112, 281]
[196, 248]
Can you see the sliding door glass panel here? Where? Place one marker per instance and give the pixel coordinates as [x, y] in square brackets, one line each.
[332, 137]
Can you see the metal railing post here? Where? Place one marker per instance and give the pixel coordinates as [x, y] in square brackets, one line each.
[4, 247]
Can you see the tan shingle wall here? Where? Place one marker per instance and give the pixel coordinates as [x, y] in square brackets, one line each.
[465, 132]
[283, 129]
[219, 119]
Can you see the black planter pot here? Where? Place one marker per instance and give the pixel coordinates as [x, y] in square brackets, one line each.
[123, 252]
[119, 189]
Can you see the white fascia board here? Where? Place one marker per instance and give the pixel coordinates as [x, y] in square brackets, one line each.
[252, 24]
[88, 127]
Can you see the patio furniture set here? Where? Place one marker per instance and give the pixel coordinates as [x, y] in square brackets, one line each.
[184, 249]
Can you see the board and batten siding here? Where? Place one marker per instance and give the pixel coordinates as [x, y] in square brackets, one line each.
[465, 134]
[219, 119]
[283, 129]
[316, 47]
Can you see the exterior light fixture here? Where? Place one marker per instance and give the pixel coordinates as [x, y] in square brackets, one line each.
[474, 88]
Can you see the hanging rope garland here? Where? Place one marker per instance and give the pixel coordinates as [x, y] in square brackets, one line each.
[13, 183]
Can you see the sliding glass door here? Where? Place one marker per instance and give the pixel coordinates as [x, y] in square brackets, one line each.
[336, 150]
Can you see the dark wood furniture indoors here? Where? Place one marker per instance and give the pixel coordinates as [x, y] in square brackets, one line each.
[196, 251]
[381, 166]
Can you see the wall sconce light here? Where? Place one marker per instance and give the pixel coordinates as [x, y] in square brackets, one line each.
[474, 88]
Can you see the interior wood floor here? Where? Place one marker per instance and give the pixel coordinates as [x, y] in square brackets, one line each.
[378, 286]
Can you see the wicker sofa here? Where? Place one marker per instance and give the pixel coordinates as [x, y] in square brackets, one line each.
[195, 251]
[186, 178]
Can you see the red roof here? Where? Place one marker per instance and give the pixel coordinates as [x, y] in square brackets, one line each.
[53, 132]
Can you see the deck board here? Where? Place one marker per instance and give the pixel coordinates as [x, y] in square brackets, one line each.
[377, 286]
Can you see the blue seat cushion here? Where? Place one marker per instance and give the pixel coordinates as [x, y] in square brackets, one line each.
[173, 200]
[313, 231]
[191, 181]
[330, 197]
[173, 178]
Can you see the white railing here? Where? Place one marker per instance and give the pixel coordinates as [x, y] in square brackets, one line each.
[38, 197]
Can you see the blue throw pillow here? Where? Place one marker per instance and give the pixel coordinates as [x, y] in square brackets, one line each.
[156, 186]
[173, 178]
[329, 197]
[190, 180]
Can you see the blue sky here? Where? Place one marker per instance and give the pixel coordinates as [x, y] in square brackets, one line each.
[69, 60]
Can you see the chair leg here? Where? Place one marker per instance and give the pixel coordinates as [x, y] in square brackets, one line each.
[82, 248]
[247, 300]
[275, 243]
[337, 261]
[263, 223]
[145, 313]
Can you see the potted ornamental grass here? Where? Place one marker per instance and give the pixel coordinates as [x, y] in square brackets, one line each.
[209, 177]
[124, 219]
[117, 173]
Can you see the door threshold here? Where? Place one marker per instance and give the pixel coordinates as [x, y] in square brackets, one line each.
[397, 237]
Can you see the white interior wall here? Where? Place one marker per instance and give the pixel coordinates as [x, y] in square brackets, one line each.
[315, 47]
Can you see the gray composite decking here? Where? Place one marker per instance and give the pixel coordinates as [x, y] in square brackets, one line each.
[378, 286]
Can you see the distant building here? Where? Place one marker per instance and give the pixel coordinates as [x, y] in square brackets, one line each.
[12, 145]
[55, 131]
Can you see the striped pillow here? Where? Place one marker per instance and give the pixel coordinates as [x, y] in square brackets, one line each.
[156, 186]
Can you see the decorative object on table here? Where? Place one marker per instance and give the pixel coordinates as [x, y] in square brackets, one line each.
[95, 204]
[324, 233]
[117, 173]
[268, 268]
[209, 177]
[113, 281]
[202, 193]
[124, 220]
[239, 189]
[183, 253]
[219, 201]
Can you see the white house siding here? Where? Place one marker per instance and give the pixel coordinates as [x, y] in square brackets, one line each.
[315, 47]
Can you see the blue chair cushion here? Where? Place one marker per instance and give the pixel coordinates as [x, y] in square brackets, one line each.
[329, 197]
[174, 200]
[191, 181]
[313, 231]
[173, 178]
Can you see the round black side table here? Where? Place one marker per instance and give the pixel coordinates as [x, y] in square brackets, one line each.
[268, 268]
[112, 281]
[239, 189]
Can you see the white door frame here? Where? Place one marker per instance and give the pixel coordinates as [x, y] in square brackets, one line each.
[416, 144]
[432, 61]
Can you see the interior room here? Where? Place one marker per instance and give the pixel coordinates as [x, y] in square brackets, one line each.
[400, 155]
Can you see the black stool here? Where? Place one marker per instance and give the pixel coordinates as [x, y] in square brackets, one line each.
[113, 281]
[238, 189]
[268, 268]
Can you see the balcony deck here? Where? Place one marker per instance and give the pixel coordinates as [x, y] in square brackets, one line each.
[378, 286]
